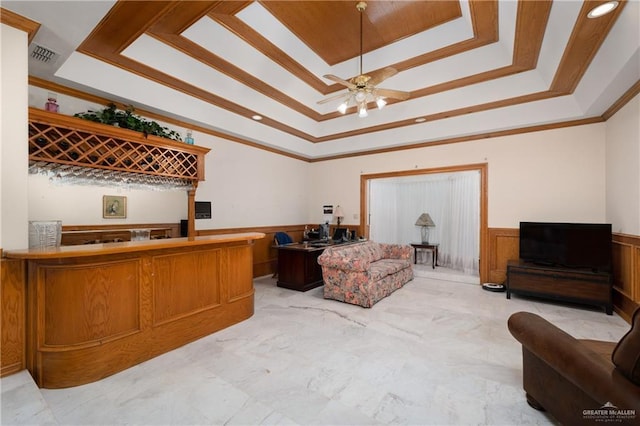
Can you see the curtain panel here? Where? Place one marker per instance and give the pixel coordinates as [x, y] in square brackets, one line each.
[451, 199]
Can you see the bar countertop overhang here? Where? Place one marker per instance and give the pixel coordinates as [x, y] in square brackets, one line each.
[128, 246]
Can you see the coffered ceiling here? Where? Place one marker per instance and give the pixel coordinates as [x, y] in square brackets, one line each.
[474, 68]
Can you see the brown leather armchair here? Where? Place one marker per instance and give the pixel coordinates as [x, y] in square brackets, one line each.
[579, 381]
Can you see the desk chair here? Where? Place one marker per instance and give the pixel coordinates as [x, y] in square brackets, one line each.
[280, 239]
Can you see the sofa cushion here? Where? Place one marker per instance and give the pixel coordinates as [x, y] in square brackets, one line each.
[384, 267]
[370, 250]
[626, 355]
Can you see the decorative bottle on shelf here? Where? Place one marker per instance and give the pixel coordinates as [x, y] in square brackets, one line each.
[52, 103]
[189, 138]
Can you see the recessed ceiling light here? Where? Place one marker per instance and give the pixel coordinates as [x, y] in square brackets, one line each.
[603, 9]
[257, 117]
[420, 120]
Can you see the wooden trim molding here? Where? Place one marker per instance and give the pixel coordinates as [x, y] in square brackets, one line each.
[54, 87]
[166, 19]
[622, 101]
[19, 22]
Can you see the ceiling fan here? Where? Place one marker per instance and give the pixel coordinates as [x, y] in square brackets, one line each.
[362, 88]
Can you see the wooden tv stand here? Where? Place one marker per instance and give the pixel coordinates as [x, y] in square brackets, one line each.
[562, 284]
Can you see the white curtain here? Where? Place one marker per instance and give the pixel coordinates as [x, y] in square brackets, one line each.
[451, 199]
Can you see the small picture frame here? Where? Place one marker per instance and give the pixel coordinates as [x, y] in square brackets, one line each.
[114, 207]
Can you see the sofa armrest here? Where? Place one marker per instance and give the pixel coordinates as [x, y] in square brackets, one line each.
[576, 362]
[396, 251]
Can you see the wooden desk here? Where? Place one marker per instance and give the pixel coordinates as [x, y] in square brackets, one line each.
[426, 246]
[298, 267]
[94, 310]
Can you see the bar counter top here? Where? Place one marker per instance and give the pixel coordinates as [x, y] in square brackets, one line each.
[87, 250]
[93, 310]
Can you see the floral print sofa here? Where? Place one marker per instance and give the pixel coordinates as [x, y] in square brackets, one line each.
[364, 273]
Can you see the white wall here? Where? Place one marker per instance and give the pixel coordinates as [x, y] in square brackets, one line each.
[247, 187]
[13, 138]
[251, 187]
[623, 169]
[553, 175]
[82, 205]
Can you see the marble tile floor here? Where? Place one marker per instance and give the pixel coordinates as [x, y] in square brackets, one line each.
[444, 273]
[433, 353]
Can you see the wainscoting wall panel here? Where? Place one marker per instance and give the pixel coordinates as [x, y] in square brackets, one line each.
[265, 256]
[626, 274]
[503, 246]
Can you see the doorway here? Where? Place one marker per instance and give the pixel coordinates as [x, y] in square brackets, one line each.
[423, 175]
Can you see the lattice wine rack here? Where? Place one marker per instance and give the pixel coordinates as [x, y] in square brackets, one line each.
[74, 147]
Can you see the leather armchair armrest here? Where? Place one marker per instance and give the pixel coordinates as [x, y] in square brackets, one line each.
[575, 361]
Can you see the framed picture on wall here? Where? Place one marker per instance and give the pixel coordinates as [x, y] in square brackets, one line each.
[114, 207]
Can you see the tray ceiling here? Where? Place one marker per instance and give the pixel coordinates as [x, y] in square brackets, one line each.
[473, 68]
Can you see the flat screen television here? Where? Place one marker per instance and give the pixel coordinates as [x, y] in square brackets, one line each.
[571, 245]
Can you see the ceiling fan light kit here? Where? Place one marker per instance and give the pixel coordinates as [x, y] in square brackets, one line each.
[362, 88]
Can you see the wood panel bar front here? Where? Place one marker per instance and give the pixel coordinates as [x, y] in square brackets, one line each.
[93, 311]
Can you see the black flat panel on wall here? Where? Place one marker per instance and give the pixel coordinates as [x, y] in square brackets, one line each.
[203, 209]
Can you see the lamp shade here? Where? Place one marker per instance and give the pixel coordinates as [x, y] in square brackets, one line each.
[338, 212]
[425, 220]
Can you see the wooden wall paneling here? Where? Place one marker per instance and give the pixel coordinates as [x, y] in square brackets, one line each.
[503, 246]
[626, 274]
[265, 256]
[83, 234]
[635, 270]
[622, 273]
[12, 316]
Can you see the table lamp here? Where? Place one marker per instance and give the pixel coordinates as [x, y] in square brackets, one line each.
[338, 213]
[425, 222]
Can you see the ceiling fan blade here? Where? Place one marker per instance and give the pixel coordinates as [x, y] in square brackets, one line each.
[395, 94]
[379, 76]
[339, 80]
[332, 98]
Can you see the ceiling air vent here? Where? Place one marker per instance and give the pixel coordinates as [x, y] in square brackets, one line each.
[43, 54]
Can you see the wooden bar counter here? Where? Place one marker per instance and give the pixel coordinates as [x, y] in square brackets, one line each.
[95, 310]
